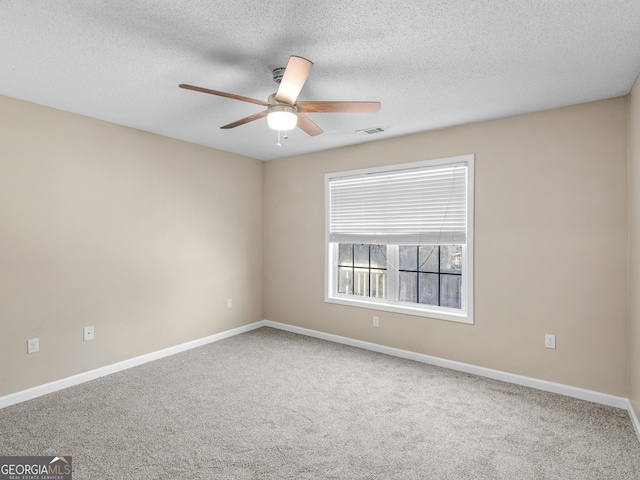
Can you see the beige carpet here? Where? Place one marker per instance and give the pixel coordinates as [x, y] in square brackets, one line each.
[274, 405]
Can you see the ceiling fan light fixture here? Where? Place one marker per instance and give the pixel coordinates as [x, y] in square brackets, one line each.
[282, 118]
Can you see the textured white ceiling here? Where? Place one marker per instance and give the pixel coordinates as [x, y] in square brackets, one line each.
[432, 64]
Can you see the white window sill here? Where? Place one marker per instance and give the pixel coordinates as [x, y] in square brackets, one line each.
[407, 309]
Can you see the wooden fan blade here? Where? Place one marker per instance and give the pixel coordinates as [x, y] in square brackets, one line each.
[223, 94]
[295, 75]
[248, 119]
[348, 107]
[306, 125]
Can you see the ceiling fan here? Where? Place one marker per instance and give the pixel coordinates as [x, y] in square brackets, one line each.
[283, 111]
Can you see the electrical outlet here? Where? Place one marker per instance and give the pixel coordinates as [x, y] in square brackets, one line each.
[550, 341]
[376, 321]
[88, 333]
[33, 345]
[229, 303]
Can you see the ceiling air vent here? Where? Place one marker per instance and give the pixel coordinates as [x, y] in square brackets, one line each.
[370, 131]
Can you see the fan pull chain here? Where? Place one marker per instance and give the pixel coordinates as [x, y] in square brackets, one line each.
[286, 137]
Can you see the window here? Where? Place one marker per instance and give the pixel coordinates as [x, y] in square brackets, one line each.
[362, 270]
[399, 238]
[431, 274]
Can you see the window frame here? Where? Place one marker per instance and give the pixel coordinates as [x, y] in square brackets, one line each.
[463, 315]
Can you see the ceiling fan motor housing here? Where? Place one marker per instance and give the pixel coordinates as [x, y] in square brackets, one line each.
[282, 107]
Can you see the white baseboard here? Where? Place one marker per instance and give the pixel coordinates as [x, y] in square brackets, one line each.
[569, 391]
[634, 419]
[51, 387]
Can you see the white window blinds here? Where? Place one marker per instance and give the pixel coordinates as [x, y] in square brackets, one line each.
[404, 206]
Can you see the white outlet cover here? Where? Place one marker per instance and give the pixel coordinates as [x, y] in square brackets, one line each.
[229, 303]
[88, 333]
[550, 341]
[33, 345]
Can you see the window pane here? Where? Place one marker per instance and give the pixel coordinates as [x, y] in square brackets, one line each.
[378, 284]
[450, 291]
[345, 280]
[429, 288]
[378, 256]
[408, 291]
[451, 258]
[361, 282]
[345, 254]
[408, 257]
[361, 255]
[429, 274]
[428, 258]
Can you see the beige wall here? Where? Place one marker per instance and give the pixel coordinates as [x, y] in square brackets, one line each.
[550, 245]
[634, 239]
[146, 237]
[142, 236]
